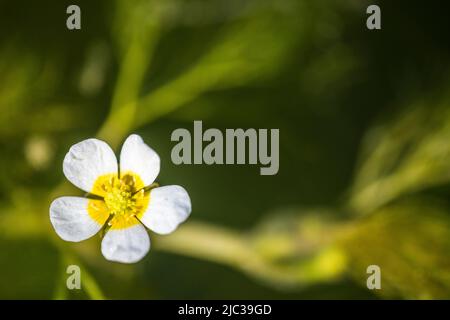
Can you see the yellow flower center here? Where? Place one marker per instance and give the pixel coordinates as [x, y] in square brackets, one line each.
[125, 200]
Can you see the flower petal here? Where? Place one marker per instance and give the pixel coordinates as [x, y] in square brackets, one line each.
[127, 245]
[168, 207]
[139, 158]
[71, 219]
[86, 161]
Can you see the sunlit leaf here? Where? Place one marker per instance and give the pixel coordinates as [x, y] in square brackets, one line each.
[410, 242]
[406, 156]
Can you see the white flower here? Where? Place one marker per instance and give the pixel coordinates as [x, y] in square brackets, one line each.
[124, 204]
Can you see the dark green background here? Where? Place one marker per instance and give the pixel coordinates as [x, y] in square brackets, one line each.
[329, 83]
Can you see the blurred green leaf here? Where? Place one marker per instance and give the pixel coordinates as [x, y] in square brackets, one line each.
[285, 251]
[406, 156]
[138, 40]
[248, 49]
[410, 242]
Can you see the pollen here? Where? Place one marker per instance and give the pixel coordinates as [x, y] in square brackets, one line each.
[125, 199]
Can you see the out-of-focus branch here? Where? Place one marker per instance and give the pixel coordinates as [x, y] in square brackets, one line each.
[242, 251]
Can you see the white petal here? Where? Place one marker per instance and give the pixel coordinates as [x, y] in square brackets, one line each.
[71, 220]
[168, 207]
[127, 245]
[139, 158]
[86, 161]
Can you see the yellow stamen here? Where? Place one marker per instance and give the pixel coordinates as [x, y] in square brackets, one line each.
[125, 200]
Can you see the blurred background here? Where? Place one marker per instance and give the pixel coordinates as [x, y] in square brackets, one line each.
[364, 119]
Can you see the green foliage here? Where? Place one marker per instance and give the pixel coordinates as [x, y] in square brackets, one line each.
[407, 156]
[339, 95]
[410, 242]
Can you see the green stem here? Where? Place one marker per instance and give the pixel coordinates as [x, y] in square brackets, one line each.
[135, 64]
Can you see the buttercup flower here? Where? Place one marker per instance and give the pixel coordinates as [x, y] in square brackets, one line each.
[123, 199]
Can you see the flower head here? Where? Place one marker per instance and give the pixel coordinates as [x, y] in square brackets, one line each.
[123, 199]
